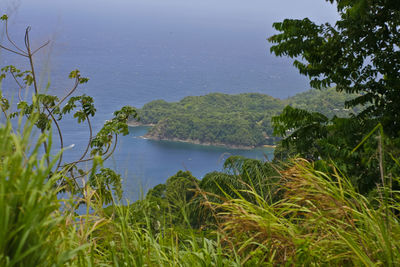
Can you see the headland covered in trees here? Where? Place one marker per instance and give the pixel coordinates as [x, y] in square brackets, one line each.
[236, 121]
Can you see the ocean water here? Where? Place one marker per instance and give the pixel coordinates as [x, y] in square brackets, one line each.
[145, 163]
[136, 51]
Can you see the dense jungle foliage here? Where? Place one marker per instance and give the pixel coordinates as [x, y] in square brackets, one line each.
[330, 198]
[235, 120]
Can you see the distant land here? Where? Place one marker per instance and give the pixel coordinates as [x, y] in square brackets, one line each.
[236, 121]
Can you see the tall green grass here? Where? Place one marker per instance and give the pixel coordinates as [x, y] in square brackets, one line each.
[30, 216]
[318, 219]
[38, 228]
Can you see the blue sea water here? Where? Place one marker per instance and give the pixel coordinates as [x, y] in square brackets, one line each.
[145, 163]
[136, 51]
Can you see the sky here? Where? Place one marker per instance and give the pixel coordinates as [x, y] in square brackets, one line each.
[152, 38]
[208, 13]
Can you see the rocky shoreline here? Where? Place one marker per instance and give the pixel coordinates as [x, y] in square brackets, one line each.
[191, 141]
[138, 123]
[197, 142]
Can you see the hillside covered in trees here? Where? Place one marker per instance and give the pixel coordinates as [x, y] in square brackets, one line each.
[233, 120]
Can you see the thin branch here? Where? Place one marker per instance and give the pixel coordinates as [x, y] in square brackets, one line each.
[63, 182]
[15, 52]
[86, 160]
[26, 39]
[69, 93]
[30, 56]
[108, 156]
[11, 41]
[20, 86]
[105, 152]
[28, 49]
[90, 138]
[82, 175]
[59, 134]
[78, 161]
[34, 52]
[86, 151]
[73, 178]
[112, 151]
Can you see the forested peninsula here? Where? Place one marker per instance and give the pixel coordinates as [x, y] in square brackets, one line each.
[237, 121]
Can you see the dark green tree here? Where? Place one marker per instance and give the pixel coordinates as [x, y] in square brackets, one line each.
[359, 54]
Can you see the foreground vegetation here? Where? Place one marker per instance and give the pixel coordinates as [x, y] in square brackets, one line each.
[262, 216]
[233, 120]
[331, 196]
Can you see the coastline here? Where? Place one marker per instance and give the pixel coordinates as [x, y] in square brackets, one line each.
[138, 123]
[198, 142]
[191, 141]
[269, 146]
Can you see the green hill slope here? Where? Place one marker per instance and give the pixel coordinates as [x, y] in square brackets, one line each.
[242, 121]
